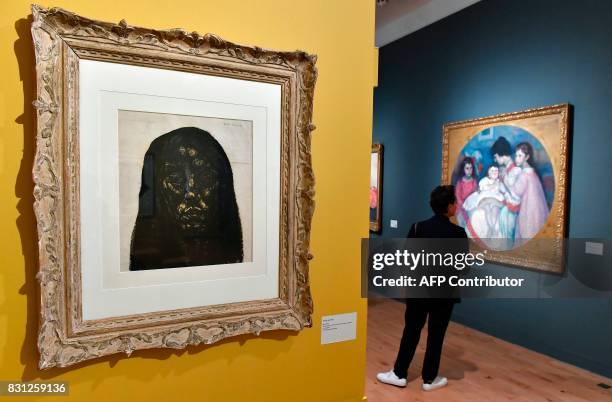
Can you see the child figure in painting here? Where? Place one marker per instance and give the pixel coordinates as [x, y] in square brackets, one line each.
[487, 203]
[465, 186]
[488, 187]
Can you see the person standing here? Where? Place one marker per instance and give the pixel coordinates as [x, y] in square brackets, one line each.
[437, 311]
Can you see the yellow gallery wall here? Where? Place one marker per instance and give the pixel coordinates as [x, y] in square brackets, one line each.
[277, 366]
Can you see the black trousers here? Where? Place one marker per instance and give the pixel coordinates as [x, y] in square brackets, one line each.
[417, 311]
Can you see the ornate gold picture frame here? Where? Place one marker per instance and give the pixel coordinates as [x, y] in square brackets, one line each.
[510, 172]
[64, 43]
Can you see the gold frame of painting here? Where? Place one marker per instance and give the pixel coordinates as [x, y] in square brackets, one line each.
[550, 125]
[62, 38]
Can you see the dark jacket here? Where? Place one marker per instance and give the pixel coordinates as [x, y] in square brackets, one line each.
[440, 226]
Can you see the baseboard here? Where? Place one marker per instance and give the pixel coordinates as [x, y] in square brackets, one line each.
[563, 355]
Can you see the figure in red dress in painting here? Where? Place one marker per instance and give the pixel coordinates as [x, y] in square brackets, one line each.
[466, 185]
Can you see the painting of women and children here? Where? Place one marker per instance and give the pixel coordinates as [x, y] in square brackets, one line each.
[505, 187]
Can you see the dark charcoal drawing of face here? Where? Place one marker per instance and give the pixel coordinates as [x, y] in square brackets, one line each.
[195, 219]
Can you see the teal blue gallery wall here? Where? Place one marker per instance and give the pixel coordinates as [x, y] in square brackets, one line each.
[501, 56]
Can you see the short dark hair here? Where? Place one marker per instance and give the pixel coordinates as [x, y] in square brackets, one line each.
[466, 161]
[441, 197]
[501, 147]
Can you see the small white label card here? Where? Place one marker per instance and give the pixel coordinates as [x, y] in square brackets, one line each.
[595, 248]
[338, 328]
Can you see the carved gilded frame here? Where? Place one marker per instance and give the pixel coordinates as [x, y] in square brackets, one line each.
[547, 252]
[61, 38]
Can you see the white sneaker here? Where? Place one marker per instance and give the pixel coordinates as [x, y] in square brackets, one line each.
[390, 378]
[439, 382]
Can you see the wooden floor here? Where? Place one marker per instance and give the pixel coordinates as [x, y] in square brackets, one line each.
[479, 367]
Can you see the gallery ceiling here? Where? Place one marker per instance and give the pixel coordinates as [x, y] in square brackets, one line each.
[398, 18]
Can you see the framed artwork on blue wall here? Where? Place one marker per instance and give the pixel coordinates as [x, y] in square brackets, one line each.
[510, 176]
[376, 188]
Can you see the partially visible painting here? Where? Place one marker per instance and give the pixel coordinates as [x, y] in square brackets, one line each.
[510, 174]
[375, 188]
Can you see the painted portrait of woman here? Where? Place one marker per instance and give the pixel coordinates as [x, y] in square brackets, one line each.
[188, 215]
[533, 210]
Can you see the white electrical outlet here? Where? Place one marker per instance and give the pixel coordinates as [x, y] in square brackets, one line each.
[393, 223]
